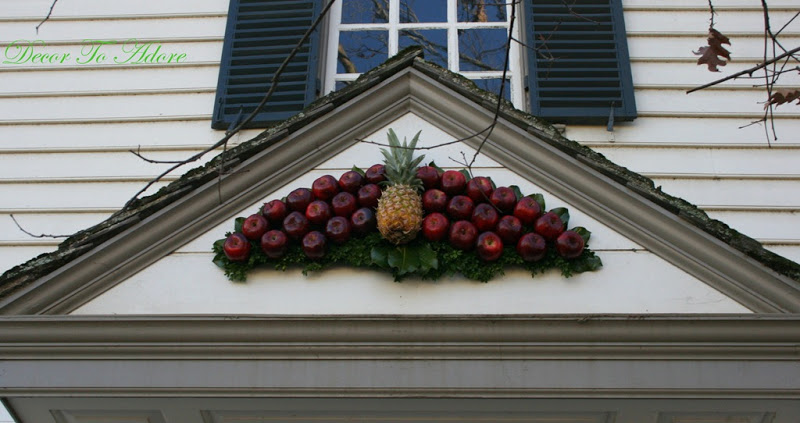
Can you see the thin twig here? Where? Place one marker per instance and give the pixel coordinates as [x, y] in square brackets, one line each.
[234, 131]
[46, 17]
[35, 235]
[444, 144]
[746, 71]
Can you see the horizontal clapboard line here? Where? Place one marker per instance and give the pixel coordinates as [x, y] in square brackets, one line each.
[723, 176]
[87, 179]
[677, 145]
[188, 148]
[160, 40]
[107, 67]
[751, 209]
[61, 210]
[46, 94]
[49, 242]
[83, 121]
[701, 35]
[745, 61]
[691, 8]
[684, 88]
[715, 115]
[80, 18]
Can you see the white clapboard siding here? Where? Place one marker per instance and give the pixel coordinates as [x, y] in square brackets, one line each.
[734, 192]
[102, 135]
[77, 194]
[158, 28]
[50, 223]
[711, 130]
[12, 254]
[676, 20]
[772, 226]
[39, 8]
[701, 5]
[685, 74]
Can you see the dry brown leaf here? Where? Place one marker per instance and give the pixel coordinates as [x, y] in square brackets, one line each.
[712, 54]
[783, 97]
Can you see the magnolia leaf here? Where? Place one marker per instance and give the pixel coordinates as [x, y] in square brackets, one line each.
[219, 244]
[380, 255]
[583, 232]
[435, 166]
[359, 170]
[539, 199]
[563, 213]
[427, 257]
[404, 259]
[517, 191]
[466, 174]
[587, 262]
[238, 223]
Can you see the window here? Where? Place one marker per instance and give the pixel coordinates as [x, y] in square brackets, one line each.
[572, 65]
[466, 36]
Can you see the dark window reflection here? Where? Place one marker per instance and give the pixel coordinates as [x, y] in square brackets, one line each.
[342, 84]
[493, 85]
[434, 41]
[412, 11]
[481, 49]
[360, 51]
[365, 11]
[481, 11]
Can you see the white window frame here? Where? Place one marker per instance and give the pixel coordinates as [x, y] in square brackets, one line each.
[515, 68]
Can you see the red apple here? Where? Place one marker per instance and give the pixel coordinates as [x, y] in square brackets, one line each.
[274, 243]
[527, 210]
[531, 247]
[489, 246]
[363, 221]
[460, 208]
[549, 225]
[434, 227]
[275, 211]
[504, 199]
[509, 228]
[463, 235]
[255, 226]
[453, 182]
[375, 174]
[485, 217]
[299, 199]
[368, 196]
[434, 200]
[296, 225]
[429, 176]
[318, 212]
[325, 187]
[479, 189]
[344, 204]
[236, 247]
[338, 229]
[314, 245]
[570, 245]
[351, 181]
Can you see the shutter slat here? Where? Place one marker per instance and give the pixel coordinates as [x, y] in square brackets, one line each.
[582, 69]
[260, 35]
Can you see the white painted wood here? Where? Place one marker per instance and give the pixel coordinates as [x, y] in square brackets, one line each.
[629, 283]
[46, 223]
[122, 29]
[695, 5]
[734, 192]
[125, 134]
[694, 22]
[762, 225]
[36, 8]
[745, 51]
[706, 102]
[76, 194]
[107, 107]
[15, 254]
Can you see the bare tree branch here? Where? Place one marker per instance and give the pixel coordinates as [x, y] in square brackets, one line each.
[50, 12]
[36, 235]
[748, 72]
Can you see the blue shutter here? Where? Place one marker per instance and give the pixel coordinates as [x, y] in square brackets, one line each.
[259, 36]
[578, 64]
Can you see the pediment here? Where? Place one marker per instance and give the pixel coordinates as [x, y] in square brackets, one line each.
[632, 216]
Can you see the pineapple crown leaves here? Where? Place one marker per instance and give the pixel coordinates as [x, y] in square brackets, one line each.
[400, 164]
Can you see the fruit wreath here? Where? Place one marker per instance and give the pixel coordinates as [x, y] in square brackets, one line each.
[409, 220]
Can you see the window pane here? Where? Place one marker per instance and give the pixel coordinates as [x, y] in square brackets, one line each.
[493, 85]
[412, 11]
[481, 11]
[434, 41]
[365, 11]
[360, 51]
[481, 49]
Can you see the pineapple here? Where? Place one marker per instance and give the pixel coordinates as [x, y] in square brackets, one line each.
[399, 212]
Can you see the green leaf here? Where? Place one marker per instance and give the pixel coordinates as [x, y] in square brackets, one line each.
[583, 232]
[439, 169]
[563, 213]
[221, 262]
[359, 170]
[587, 262]
[466, 174]
[218, 245]
[404, 259]
[380, 255]
[238, 223]
[427, 257]
[517, 191]
[539, 199]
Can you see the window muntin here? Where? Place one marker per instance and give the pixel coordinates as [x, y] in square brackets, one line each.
[465, 36]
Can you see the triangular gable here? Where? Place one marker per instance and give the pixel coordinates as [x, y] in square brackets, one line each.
[632, 280]
[621, 200]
